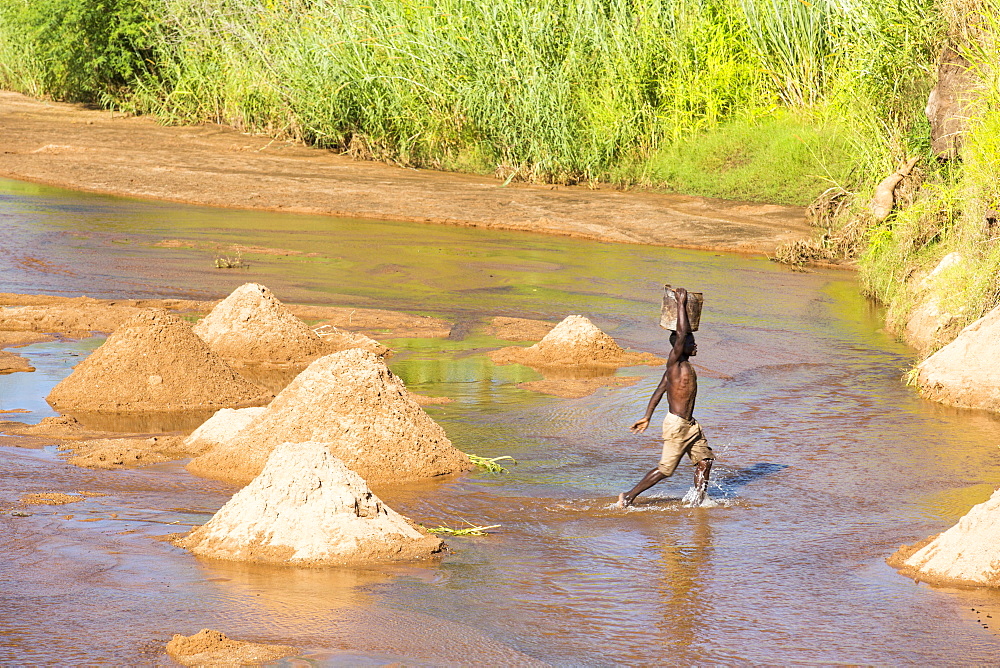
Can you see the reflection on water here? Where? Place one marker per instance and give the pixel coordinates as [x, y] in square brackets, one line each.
[826, 463]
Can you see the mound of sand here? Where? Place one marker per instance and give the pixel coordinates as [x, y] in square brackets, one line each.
[212, 648]
[306, 508]
[221, 427]
[966, 554]
[11, 362]
[577, 342]
[154, 362]
[353, 402]
[252, 326]
[964, 372]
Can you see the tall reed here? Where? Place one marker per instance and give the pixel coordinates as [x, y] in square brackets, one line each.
[545, 90]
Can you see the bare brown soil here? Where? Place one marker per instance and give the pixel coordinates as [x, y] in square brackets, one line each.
[212, 648]
[49, 499]
[78, 317]
[123, 453]
[63, 427]
[99, 151]
[12, 362]
[11, 339]
[519, 329]
[89, 448]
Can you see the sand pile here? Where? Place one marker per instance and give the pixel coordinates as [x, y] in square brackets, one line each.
[154, 362]
[252, 326]
[966, 554]
[306, 508]
[221, 427]
[212, 648]
[353, 402]
[576, 342]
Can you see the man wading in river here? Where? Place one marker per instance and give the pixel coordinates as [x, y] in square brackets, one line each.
[681, 433]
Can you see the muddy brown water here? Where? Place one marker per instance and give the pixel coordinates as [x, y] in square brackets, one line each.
[826, 463]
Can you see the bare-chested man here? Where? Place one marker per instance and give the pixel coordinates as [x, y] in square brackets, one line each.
[681, 434]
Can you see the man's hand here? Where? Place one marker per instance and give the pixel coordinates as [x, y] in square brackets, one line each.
[640, 426]
[682, 295]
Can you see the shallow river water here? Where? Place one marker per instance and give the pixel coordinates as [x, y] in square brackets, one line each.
[826, 463]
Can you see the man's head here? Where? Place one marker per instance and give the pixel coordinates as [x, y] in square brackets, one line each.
[690, 347]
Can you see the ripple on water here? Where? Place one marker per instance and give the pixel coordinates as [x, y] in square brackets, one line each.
[825, 464]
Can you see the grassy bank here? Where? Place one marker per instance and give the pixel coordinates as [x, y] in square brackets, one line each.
[955, 210]
[767, 100]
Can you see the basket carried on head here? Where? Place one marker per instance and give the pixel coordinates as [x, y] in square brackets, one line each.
[668, 314]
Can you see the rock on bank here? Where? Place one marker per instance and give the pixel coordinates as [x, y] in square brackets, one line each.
[965, 372]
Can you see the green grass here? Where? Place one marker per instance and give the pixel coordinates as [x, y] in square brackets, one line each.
[950, 212]
[471, 530]
[491, 465]
[780, 158]
[674, 93]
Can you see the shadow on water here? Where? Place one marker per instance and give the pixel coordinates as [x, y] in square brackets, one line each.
[732, 481]
[790, 570]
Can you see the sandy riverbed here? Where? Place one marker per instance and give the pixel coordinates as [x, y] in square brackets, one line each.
[76, 147]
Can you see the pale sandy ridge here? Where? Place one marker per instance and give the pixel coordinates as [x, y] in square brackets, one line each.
[97, 151]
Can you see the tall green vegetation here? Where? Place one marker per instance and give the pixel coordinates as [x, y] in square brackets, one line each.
[630, 91]
[957, 210]
[82, 50]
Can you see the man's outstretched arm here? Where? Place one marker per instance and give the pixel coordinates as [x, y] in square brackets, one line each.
[641, 425]
[683, 329]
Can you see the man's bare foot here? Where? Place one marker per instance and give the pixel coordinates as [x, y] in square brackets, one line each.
[622, 501]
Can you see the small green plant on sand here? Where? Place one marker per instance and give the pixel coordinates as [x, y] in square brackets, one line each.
[471, 530]
[910, 377]
[226, 262]
[490, 464]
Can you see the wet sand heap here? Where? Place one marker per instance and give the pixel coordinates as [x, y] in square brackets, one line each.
[966, 554]
[213, 648]
[574, 342]
[251, 326]
[351, 401]
[154, 363]
[306, 508]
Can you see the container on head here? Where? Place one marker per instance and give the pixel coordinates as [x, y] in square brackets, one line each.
[668, 314]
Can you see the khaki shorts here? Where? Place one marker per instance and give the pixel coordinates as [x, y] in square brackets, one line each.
[682, 436]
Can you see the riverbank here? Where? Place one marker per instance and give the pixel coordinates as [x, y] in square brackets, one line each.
[72, 146]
